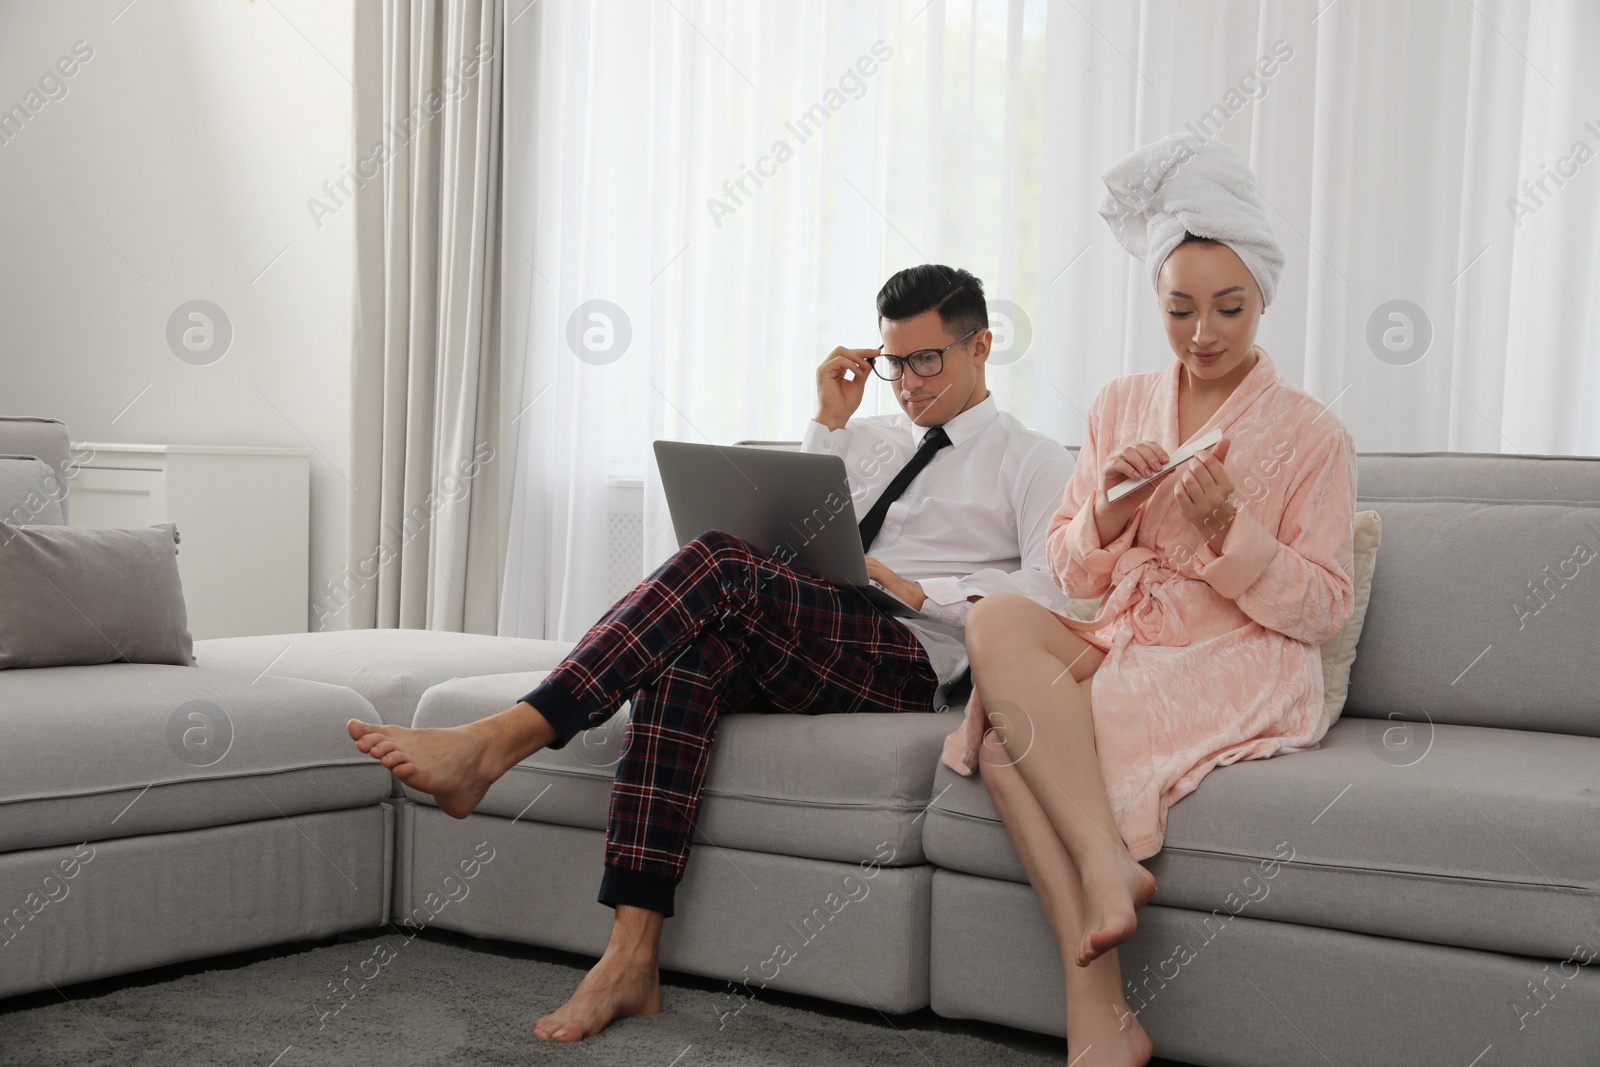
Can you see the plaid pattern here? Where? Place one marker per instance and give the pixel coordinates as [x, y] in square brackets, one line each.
[720, 627]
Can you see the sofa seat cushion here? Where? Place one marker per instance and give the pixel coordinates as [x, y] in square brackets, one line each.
[828, 787]
[391, 668]
[89, 753]
[1459, 835]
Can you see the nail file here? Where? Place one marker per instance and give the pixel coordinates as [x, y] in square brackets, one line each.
[1204, 441]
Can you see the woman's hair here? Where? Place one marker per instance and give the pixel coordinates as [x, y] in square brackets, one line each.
[956, 294]
[1196, 239]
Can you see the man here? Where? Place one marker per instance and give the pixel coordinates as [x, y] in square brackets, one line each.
[961, 498]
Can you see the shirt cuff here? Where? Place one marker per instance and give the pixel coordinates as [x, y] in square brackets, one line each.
[949, 614]
[943, 590]
[818, 438]
[1247, 552]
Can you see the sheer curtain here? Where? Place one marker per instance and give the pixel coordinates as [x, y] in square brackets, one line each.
[735, 181]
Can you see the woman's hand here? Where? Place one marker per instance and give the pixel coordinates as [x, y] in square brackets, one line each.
[1205, 494]
[1138, 460]
[910, 592]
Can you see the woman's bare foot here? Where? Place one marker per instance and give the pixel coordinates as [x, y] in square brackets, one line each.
[456, 766]
[626, 981]
[1106, 1036]
[1109, 904]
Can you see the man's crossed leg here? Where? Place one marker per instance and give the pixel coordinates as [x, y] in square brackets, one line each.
[718, 626]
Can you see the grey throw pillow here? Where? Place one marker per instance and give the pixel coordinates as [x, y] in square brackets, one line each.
[30, 493]
[73, 597]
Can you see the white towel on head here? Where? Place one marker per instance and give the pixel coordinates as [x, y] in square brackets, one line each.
[1182, 184]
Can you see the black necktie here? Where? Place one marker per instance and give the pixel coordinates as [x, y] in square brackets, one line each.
[932, 441]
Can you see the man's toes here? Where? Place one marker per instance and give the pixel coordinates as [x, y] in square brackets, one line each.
[370, 740]
[382, 748]
[358, 729]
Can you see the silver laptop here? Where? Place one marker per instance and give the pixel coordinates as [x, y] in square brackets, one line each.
[795, 505]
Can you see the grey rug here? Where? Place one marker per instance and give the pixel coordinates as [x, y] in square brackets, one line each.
[444, 999]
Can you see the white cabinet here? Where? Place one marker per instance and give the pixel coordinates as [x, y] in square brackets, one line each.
[244, 516]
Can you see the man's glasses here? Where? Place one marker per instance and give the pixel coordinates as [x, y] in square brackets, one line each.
[927, 362]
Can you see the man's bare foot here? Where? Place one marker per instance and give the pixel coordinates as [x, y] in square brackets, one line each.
[1099, 1036]
[626, 981]
[1109, 904]
[457, 765]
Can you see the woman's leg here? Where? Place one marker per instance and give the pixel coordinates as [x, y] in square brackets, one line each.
[1025, 664]
[1098, 1016]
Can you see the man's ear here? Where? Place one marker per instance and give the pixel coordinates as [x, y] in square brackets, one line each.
[981, 341]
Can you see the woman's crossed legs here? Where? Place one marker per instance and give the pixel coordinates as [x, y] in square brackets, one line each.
[1043, 773]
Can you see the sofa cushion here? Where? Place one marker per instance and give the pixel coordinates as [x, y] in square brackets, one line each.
[72, 596]
[45, 438]
[30, 493]
[88, 753]
[1486, 594]
[829, 787]
[1458, 835]
[1339, 651]
[391, 668]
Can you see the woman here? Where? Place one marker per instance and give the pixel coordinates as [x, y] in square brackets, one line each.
[1224, 577]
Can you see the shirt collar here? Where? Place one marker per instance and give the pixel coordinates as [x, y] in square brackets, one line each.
[964, 426]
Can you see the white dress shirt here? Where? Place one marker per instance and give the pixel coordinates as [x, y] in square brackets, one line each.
[972, 523]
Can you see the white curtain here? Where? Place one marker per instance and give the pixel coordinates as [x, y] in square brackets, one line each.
[736, 180]
[431, 488]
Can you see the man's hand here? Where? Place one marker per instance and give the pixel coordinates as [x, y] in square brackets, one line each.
[910, 592]
[838, 397]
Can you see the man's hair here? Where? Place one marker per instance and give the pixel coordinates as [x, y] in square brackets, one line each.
[956, 294]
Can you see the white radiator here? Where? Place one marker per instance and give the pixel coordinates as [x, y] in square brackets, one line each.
[624, 536]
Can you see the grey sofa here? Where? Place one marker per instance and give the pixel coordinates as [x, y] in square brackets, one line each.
[1411, 892]
[151, 814]
[1422, 888]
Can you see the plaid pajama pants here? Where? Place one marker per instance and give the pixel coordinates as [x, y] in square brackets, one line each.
[720, 627]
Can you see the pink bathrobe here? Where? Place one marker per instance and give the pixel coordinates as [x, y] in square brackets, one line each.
[1209, 659]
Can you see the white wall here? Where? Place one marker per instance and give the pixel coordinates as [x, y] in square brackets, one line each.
[177, 166]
